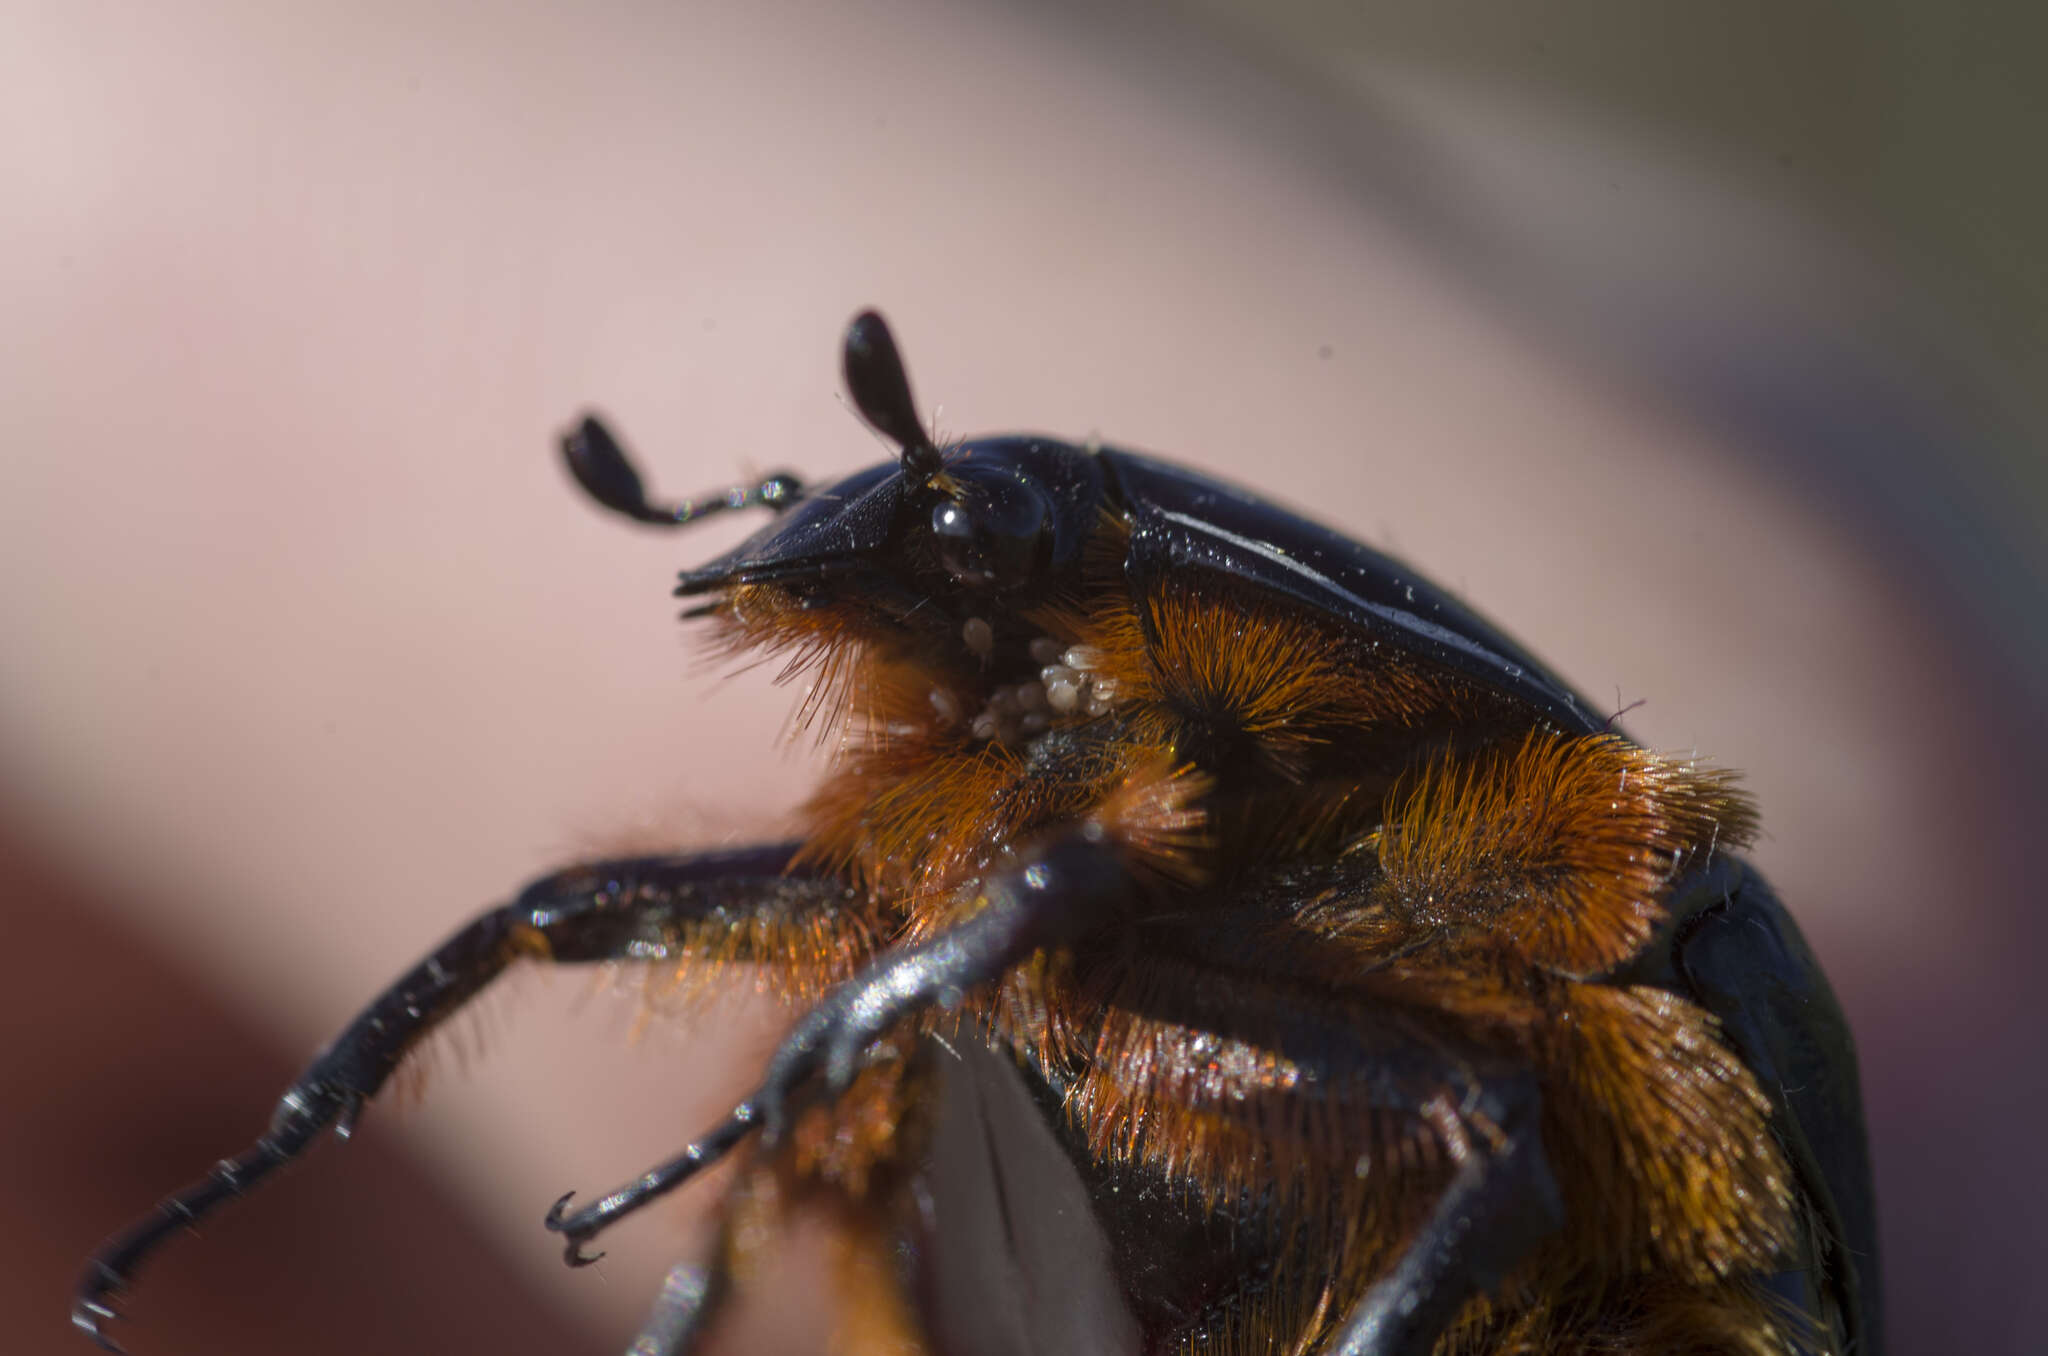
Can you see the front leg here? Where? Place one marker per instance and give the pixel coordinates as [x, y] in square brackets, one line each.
[634, 908]
[1064, 891]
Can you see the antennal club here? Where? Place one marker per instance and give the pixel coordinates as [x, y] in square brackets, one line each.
[881, 392]
[606, 474]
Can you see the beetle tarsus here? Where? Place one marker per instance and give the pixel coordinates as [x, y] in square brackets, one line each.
[93, 1307]
[305, 1109]
[587, 1223]
[572, 1248]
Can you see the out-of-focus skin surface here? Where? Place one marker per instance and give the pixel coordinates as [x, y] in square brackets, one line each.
[308, 650]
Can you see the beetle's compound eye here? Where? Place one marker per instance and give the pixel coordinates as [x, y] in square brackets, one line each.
[994, 534]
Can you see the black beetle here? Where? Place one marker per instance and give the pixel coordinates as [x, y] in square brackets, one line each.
[1299, 963]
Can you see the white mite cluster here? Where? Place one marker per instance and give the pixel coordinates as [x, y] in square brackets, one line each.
[1067, 685]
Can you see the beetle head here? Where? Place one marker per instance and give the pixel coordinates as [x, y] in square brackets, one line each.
[927, 554]
[988, 522]
[996, 517]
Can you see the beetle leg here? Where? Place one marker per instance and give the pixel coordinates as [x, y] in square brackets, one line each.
[1076, 883]
[1220, 1064]
[608, 910]
[1500, 1202]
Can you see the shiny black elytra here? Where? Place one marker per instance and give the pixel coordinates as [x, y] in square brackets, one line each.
[1729, 947]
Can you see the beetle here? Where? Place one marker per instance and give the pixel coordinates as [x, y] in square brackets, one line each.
[1331, 975]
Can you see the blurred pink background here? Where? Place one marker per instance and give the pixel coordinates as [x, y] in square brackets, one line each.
[310, 651]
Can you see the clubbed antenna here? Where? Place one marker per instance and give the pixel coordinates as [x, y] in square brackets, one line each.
[602, 468]
[881, 392]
